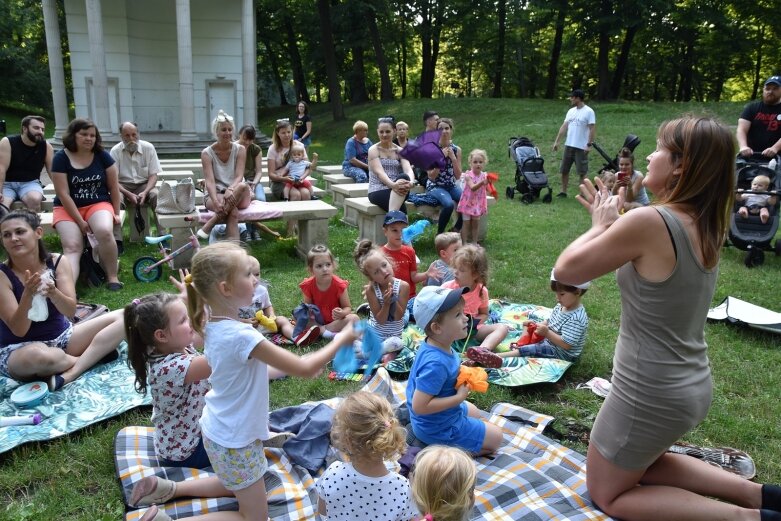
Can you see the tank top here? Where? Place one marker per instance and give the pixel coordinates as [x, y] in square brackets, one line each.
[49, 329]
[392, 168]
[661, 338]
[224, 172]
[390, 327]
[26, 162]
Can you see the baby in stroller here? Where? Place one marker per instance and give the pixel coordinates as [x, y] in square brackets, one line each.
[757, 199]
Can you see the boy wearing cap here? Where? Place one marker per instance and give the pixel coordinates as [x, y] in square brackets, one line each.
[439, 412]
[405, 261]
[580, 126]
[564, 333]
[759, 126]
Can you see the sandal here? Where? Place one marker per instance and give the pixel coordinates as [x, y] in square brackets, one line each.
[155, 514]
[152, 490]
[484, 357]
[114, 286]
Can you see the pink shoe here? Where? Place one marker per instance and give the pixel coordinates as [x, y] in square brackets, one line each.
[484, 357]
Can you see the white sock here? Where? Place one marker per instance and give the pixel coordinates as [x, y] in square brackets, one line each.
[328, 334]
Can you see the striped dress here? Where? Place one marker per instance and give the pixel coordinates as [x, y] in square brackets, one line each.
[390, 328]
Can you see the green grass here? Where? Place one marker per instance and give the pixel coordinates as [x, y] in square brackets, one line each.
[73, 477]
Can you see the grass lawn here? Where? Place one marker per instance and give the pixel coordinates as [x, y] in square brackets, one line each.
[73, 477]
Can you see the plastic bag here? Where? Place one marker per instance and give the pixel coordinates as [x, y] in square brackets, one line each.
[39, 310]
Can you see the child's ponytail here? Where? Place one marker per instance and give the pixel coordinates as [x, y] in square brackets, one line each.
[143, 317]
[364, 425]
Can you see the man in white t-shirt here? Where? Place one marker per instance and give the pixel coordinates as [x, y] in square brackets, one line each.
[580, 125]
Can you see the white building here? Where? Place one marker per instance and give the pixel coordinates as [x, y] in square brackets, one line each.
[168, 65]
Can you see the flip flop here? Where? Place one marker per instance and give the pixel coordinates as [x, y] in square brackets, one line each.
[732, 460]
[152, 490]
[484, 357]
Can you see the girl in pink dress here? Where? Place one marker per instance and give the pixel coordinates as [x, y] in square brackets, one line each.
[473, 204]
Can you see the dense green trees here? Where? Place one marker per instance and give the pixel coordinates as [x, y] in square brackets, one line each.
[633, 49]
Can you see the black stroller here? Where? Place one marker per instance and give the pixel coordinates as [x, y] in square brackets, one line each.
[751, 234]
[530, 178]
[630, 142]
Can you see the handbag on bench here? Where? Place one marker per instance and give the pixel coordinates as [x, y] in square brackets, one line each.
[176, 197]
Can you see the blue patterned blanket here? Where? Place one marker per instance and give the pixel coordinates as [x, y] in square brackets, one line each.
[104, 391]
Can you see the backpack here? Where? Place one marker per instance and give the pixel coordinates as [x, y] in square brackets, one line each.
[92, 273]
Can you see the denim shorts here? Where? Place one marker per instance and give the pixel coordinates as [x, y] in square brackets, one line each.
[61, 342]
[15, 190]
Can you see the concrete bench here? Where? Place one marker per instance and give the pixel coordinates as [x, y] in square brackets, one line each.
[312, 217]
[192, 164]
[369, 217]
[348, 191]
[336, 179]
[329, 169]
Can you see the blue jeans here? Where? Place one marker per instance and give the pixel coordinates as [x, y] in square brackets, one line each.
[260, 193]
[448, 199]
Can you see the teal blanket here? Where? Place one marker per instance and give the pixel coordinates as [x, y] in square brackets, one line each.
[104, 391]
[515, 371]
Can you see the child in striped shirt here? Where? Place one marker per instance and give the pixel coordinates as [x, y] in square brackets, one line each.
[565, 330]
[386, 295]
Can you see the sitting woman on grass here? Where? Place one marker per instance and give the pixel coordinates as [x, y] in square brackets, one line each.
[50, 348]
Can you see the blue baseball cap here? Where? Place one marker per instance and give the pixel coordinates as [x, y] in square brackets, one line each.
[432, 300]
[773, 79]
[395, 216]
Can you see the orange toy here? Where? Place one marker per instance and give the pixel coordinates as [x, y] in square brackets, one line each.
[493, 177]
[530, 336]
[474, 377]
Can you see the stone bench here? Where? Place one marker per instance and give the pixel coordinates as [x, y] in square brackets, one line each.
[348, 191]
[369, 217]
[329, 169]
[331, 180]
[312, 217]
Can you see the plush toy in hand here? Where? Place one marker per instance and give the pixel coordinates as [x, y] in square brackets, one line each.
[530, 336]
[268, 323]
[413, 231]
[474, 377]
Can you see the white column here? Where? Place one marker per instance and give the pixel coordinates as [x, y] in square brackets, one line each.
[97, 52]
[185, 53]
[249, 62]
[56, 69]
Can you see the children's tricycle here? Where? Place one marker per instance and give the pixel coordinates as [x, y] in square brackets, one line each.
[149, 269]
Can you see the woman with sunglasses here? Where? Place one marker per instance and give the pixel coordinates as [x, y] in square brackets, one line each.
[390, 175]
[223, 172]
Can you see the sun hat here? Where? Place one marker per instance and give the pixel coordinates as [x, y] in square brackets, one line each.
[584, 285]
[432, 300]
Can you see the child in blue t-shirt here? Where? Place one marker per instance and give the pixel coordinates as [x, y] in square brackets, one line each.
[439, 412]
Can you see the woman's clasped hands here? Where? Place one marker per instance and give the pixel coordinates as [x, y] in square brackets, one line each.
[603, 207]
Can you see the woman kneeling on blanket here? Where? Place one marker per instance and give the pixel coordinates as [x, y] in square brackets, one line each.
[47, 346]
[662, 385]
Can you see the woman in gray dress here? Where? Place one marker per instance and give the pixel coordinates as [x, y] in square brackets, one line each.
[667, 259]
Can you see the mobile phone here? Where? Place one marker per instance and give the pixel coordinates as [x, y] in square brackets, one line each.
[621, 176]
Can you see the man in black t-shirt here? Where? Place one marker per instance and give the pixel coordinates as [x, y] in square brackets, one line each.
[759, 126]
[22, 158]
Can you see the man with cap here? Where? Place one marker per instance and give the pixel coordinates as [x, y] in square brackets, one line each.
[22, 158]
[439, 412]
[580, 126]
[759, 125]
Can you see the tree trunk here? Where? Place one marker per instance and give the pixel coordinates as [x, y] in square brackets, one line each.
[758, 62]
[327, 38]
[687, 70]
[386, 89]
[603, 65]
[623, 59]
[427, 67]
[553, 66]
[499, 70]
[275, 70]
[299, 78]
[358, 92]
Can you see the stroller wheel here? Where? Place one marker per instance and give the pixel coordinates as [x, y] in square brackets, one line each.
[547, 198]
[510, 192]
[754, 258]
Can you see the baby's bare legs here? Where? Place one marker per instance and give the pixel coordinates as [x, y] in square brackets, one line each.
[764, 215]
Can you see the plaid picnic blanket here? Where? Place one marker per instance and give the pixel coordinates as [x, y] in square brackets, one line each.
[515, 371]
[104, 391]
[530, 478]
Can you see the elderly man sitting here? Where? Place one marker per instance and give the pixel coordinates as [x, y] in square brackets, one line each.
[138, 168]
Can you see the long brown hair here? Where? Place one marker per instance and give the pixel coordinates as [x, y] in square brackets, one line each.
[703, 155]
